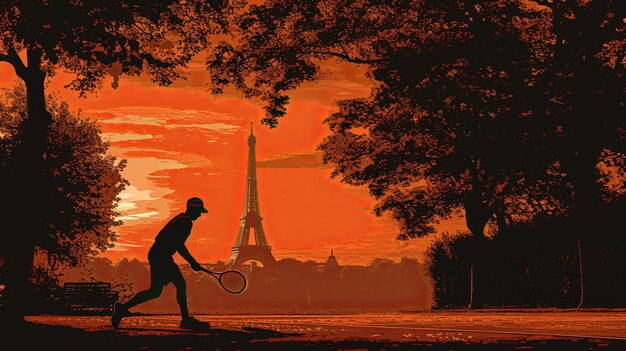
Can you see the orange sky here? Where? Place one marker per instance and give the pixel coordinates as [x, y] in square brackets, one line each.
[180, 141]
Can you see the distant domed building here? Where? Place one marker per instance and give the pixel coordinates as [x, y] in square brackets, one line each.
[331, 263]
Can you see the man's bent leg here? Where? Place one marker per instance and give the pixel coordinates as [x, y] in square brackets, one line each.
[158, 278]
[120, 310]
[144, 296]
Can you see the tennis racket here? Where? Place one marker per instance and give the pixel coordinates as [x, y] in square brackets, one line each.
[232, 281]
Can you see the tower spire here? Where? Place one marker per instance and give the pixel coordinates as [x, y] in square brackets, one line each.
[251, 220]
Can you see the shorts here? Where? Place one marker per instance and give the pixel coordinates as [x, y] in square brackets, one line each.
[163, 269]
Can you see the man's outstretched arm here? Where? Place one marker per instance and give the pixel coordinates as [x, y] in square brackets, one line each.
[182, 250]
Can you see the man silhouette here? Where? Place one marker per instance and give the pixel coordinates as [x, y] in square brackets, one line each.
[163, 270]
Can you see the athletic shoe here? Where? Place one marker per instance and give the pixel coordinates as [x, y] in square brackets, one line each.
[119, 312]
[191, 323]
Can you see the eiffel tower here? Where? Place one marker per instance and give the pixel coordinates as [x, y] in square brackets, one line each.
[251, 219]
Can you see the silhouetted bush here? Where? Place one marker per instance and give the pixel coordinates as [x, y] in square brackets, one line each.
[533, 265]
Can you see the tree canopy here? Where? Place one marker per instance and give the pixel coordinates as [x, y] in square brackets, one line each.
[472, 105]
[92, 39]
[84, 180]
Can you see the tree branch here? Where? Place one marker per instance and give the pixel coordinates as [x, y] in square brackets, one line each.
[350, 59]
[343, 48]
[344, 55]
[14, 59]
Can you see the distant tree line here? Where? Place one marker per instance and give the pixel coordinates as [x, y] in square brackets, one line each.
[291, 286]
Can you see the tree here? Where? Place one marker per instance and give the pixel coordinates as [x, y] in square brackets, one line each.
[90, 40]
[584, 85]
[84, 183]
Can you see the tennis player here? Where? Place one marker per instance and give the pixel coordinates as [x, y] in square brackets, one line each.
[163, 270]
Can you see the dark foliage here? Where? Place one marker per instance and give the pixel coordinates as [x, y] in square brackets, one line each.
[84, 181]
[533, 265]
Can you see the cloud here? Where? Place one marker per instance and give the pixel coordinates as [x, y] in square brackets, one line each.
[117, 249]
[133, 119]
[303, 160]
[168, 159]
[136, 216]
[144, 198]
[131, 195]
[211, 126]
[124, 247]
[117, 137]
[163, 116]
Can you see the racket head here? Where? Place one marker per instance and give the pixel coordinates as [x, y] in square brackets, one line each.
[233, 281]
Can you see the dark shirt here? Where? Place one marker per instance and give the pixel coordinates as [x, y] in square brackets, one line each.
[173, 235]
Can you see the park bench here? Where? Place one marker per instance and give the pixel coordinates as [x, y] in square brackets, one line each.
[89, 296]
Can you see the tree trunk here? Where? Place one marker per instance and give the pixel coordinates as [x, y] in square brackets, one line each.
[580, 276]
[585, 145]
[27, 190]
[586, 199]
[476, 218]
[471, 298]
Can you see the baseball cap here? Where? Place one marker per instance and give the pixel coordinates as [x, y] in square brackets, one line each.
[197, 202]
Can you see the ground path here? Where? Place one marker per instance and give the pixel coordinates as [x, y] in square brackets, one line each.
[460, 330]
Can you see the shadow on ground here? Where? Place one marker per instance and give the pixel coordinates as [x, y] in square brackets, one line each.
[46, 337]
